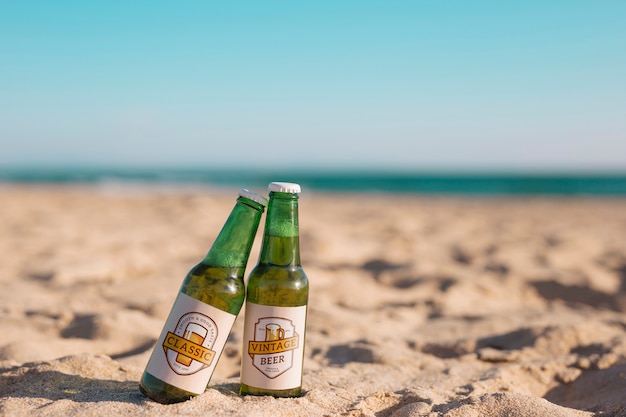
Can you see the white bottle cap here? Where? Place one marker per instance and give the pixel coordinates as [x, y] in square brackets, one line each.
[253, 196]
[284, 187]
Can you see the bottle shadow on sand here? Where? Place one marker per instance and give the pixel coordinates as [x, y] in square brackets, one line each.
[55, 386]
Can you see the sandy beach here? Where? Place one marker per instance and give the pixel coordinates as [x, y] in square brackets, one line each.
[419, 305]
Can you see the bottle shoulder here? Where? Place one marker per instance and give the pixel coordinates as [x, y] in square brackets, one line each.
[278, 273]
[214, 272]
[271, 285]
[207, 276]
[217, 286]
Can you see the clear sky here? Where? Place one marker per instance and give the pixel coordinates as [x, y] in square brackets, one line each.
[490, 85]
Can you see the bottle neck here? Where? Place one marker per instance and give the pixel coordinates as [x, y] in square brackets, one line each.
[232, 246]
[281, 242]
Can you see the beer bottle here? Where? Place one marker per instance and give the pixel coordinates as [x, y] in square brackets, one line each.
[204, 311]
[276, 304]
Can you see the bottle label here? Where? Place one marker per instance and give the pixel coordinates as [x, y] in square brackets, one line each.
[273, 346]
[192, 340]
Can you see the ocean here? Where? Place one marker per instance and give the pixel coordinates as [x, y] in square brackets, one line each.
[334, 180]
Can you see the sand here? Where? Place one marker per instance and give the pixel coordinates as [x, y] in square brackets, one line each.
[419, 306]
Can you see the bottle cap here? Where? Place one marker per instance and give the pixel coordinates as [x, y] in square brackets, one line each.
[284, 187]
[253, 196]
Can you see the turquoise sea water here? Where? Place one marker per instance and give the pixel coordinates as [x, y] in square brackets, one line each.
[328, 180]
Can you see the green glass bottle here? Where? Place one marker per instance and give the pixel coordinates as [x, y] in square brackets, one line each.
[276, 304]
[205, 309]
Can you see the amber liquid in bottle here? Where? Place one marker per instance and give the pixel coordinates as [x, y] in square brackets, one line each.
[202, 316]
[276, 304]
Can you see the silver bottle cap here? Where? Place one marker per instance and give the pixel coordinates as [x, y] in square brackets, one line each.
[284, 187]
[253, 196]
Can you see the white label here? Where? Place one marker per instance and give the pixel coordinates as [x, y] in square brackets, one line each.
[190, 344]
[273, 346]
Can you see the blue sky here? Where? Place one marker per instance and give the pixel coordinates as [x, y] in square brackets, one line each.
[487, 85]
